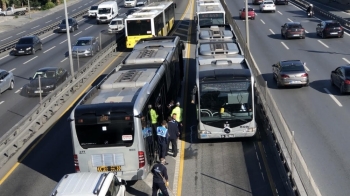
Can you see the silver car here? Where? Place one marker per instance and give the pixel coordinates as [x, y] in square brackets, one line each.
[290, 73]
[85, 46]
[7, 81]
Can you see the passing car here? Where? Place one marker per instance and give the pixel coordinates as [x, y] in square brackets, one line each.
[27, 45]
[267, 6]
[340, 78]
[292, 30]
[284, 2]
[85, 46]
[73, 25]
[251, 13]
[290, 73]
[132, 10]
[92, 11]
[50, 78]
[7, 80]
[330, 28]
[90, 184]
[116, 25]
[257, 2]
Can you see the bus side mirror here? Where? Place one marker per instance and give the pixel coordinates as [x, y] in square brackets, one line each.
[193, 95]
[175, 5]
[182, 45]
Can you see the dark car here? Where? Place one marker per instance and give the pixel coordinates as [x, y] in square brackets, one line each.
[340, 77]
[257, 2]
[284, 2]
[27, 45]
[292, 30]
[290, 73]
[132, 10]
[73, 25]
[50, 78]
[329, 28]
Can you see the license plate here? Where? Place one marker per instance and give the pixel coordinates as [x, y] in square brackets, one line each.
[228, 136]
[296, 35]
[21, 51]
[109, 168]
[334, 33]
[38, 91]
[295, 82]
[204, 136]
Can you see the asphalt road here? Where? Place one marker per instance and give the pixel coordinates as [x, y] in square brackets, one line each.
[16, 104]
[318, 114]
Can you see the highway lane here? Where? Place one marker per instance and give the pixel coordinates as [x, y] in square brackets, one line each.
[319, 120]
[45, 21]
[54, 54]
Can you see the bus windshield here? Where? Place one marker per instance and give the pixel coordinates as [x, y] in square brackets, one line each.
[138, 27]
[211, 19]
[230, 100]
[115, 132]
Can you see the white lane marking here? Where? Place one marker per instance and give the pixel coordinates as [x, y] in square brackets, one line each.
[332, 96]
[279, 12]
[272, 31]
[58, 17]
[30, 60]
[285, 45]
[80, 7]
[81, 19]
[306, 31]
[6, 38]
[21, 32]
[119, 9]
[48, 21]
[85, 4]
[290, 20]
[49, 49]
[262, 21]
[17, 91]
[89, 27]
[2, 102]
[12, 70]
[47, 36]
[35, 27]
[307, 69]
[74, 10]
[4, 57]
[347, 33]
[63, 41]
[64, 59]
[346, 60]
[77, 33]
[323, 43]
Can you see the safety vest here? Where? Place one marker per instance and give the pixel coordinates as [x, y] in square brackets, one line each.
[178, 111]
[162, 131]
[153, 115]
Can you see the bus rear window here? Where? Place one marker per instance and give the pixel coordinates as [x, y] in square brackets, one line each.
[113, 133]
[139, 27]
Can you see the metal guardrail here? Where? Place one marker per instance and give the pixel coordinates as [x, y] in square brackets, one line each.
[30, 126]
[298, 173]
[53, 26]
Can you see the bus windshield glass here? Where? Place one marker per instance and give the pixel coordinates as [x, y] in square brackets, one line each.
[231, 100]
[211, 19]
[104, 10]
[92, 132]
[138, 27]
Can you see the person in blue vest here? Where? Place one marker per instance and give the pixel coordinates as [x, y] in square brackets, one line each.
[162, 133]
[147, 136]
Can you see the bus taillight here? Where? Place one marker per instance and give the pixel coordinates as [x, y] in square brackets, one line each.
[76, 163]
[141, 159]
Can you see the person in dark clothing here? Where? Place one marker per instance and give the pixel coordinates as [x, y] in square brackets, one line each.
[173, 131]
[179, 125]
[160, 178]
[162, 134]
[310, 9]
[147, 136]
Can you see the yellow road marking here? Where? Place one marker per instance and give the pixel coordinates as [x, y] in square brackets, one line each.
[182, 150]
[73, 102]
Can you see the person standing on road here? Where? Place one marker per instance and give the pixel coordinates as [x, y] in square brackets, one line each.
[178, 115]
[162, 133]
[173, 131]
[160, 178]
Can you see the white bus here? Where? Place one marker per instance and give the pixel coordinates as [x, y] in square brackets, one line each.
[107, 122]
[209, 12]
[224, 91]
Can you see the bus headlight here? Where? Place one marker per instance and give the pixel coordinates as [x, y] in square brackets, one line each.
[251, 129]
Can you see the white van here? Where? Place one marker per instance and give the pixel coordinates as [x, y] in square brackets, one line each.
[90, 184]
[106, 11]
[130, 3]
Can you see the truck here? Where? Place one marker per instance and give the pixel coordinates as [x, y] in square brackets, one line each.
[10, 11]
[106, 11]
[90, 184]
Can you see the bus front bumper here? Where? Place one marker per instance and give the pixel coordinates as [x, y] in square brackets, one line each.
[217, 135]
